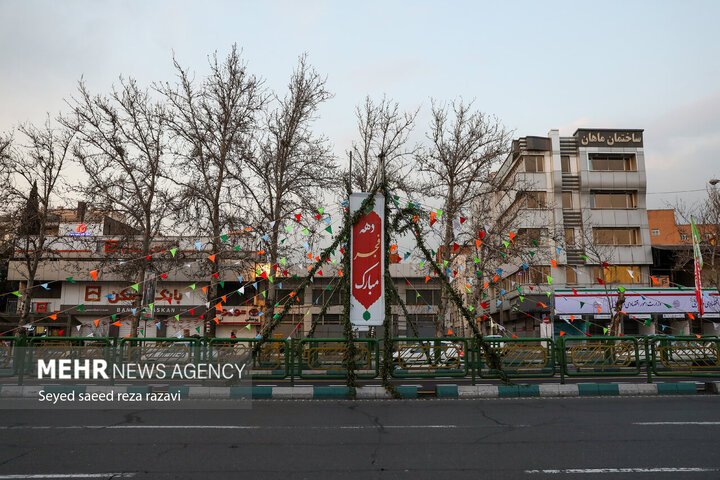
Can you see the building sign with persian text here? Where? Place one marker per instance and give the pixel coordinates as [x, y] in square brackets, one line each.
[367, 264]
[609, 138]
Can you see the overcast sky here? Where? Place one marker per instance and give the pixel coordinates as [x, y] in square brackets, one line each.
[537, 65]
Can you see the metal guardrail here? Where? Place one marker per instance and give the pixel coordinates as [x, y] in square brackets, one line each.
[272, 361]
[685, 356]
[429, 357]
[602, 356]
[520, 357]
[316, 355]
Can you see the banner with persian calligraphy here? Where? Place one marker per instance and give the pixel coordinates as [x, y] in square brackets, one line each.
[367, 264]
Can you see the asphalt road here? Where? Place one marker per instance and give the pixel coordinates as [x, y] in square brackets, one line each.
[539, 438]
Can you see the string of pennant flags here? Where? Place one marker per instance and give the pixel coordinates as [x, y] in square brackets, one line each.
[434, 217]
[525, 267]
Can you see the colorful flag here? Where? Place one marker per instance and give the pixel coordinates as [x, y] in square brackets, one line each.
[697, 256]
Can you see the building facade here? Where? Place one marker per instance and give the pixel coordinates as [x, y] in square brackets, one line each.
[582, 202]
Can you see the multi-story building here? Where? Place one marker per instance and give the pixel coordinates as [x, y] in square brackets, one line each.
[580, 200]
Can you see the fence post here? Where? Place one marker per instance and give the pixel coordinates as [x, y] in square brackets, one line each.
[649, 362]
[561, 359]
[473, 358]
[291, 361]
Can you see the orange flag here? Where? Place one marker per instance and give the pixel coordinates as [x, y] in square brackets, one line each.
[562, 333]
[118, 324]
[97, 322]
[93, 273]
[53, 316]
[217, 320]
[211, 258]
[219, 306]
[554, 263]
[224, 297]
[427, 278]
[691, 315]
[204, 289]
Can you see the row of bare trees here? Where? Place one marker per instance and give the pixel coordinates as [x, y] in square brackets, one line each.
[203, 157]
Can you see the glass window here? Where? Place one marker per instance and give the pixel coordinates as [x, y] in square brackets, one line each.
[617, 274]
[616, 236]
[427, 297]
[569, 236]
[567, 201]
[536, 274]
[612, 162]
[655, 232]
[529, 235]
[570, 275]
[321, 296]
[536, 200]
[565, 163]
[614, 200]
[534, 163]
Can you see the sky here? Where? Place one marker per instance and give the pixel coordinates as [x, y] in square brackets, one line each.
[536, 65]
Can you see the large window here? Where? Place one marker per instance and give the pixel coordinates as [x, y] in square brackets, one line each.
[536, 199]
[570, 236]
[427, 297]
[570, 275]
[539, 235]
[565, 163]
[612, 162]
[617, 274]
[536, 274]
[534, 163]
[567, 200]
[616, 236]
[613, 200]
[321, 296]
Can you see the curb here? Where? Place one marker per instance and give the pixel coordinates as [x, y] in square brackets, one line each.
[377, 392]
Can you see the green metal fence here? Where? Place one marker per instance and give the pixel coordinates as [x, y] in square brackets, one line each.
[520, 357]
[602, 356]
[685, 356]
[323, 357]
[272, 361]
[430, 357]
[312, 358]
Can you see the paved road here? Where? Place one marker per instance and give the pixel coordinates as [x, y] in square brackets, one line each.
[580, 438]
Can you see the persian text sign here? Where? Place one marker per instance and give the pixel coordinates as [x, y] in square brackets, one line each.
[640, 301]
[367, 263]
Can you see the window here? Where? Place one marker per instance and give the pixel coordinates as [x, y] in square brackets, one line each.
[321, 296]
[684, 237]
[655, 232]
[613, 200]
[616, 236]
[565, 163]
[617, 274]
[570, 275]
[569, 236]
[567, 200]
[536, 274]
[612, 162]
[534, 163]
[427, 297]
[283, 296]
[538, 235]
[536, 199]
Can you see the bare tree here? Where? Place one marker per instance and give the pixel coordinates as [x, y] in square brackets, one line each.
[383, 130]
[212, 126]
[34, 176]
[122, 145]
[464, 147]
[291, 165]
[706, 215]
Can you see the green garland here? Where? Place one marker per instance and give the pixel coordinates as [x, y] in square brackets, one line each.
[387, 359]
[493, 359]
[349, 362]
[368, 203]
